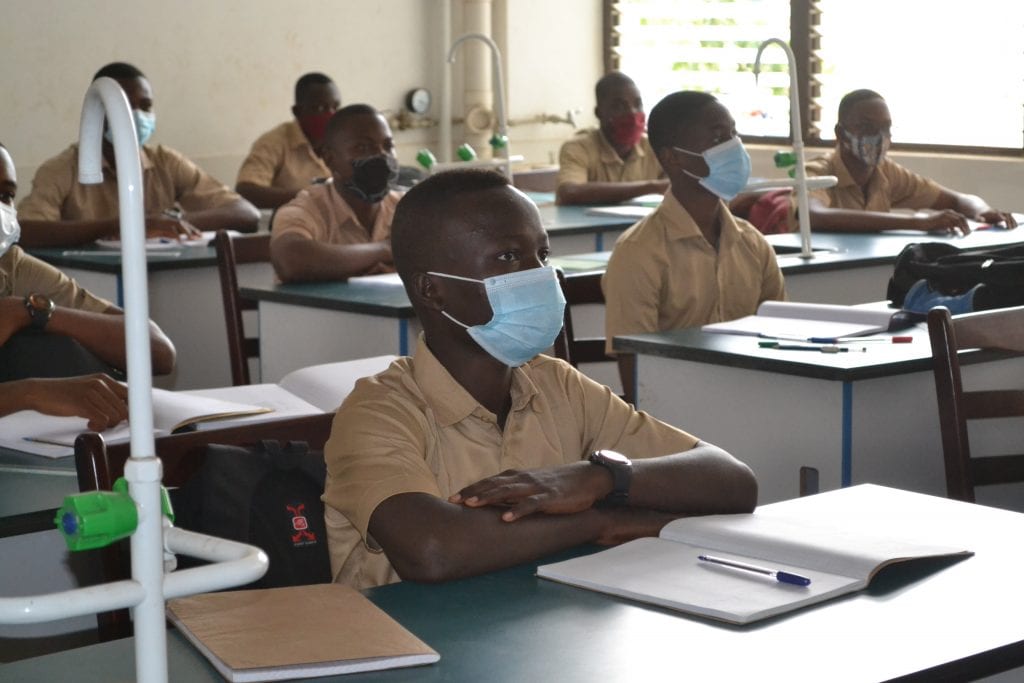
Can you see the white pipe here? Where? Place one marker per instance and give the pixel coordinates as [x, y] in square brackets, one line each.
[476, 163]
[143, 470]
[237, 563]
[498, 90]
[803, 215]
[445, 141]
[820, 182]
[33, 609]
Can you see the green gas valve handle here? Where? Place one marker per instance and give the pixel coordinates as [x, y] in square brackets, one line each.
[96, 519]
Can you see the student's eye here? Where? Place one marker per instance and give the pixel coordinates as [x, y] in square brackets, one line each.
[508, 256]
[543, 255]
[7, 198]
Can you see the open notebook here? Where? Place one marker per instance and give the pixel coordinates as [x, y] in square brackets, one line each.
[308, 391]
[795, 320]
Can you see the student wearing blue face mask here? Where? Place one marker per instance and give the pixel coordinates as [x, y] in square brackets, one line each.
[477, 453]
[341, 228]
[691, 261]
[179, 198]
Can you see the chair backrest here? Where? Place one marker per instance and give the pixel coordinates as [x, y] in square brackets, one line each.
[100, 465]
[999, 330]
[232, 251]
[581, 289]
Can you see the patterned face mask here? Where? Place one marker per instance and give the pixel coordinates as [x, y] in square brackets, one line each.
[870, 149]
[10, 230]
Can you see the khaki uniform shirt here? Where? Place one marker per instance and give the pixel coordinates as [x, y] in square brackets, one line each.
[282, 157]
[321, 214]
[663, 274]
[22, 274]
[589, 157]
[890, 187]
[413, 428]
[168, 179]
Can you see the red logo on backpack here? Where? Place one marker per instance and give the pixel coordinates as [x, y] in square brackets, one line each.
[302, 535]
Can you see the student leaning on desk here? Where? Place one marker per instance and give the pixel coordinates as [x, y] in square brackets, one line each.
[39, 305]
[477, 453]
[871, 184]
[342, 228]
[285, 159]
[179, 198]
[613, 162]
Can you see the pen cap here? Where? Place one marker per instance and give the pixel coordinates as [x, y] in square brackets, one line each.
[794, 579]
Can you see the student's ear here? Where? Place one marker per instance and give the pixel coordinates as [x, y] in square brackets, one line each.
[295, 111]
[424, 292]
[597, 113]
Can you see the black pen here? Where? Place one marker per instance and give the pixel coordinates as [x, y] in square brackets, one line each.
[823, 348]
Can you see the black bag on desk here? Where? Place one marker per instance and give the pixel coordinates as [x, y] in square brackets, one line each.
[952, 271]
[268, 496]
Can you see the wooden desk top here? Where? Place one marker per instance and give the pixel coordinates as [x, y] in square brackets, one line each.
[925, 621]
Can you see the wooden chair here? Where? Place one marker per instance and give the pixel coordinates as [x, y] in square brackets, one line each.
[99, 466]
[1000, 331]
[584, 289]
[232, 251]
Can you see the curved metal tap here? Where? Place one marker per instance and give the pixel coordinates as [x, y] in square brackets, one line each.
[499, 87]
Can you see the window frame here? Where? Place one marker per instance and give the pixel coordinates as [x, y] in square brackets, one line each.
[804, 41]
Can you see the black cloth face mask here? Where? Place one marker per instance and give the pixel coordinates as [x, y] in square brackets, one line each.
[373, 177]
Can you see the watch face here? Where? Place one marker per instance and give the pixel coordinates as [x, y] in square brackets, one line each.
[613, 456]
[40, 302]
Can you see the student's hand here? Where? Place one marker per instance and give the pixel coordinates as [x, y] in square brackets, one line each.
[13, 317]
[947, 219]
[560, 490]
[994, 217]
[98, 398]
[162, 225]
[626, 524]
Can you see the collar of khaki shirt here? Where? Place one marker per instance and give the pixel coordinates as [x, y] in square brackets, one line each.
[296, 139]
[878, 182]
[448, 399]
[145, 156]
[610, 156]
[681, 225]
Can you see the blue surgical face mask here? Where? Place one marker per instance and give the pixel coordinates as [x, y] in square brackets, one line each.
[527, 314]
[728, 168]
[10, 230]
[145, 124]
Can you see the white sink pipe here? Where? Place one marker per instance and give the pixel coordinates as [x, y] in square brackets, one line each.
[499, 94]
[146, 592]
[803, 215]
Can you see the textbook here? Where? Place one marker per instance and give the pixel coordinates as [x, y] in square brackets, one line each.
[295, 632]
[308, 391]
[834, 554]
[794, 320]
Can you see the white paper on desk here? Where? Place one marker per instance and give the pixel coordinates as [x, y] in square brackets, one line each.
[16, 426]
[163, 243]
[382, 279]
[636, 212]
[796, 320]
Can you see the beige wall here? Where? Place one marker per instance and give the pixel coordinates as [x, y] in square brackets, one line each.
[223, 72]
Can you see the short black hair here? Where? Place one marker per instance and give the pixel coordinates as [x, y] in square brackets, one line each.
[422, 211]
[119, 71]
[857, 96]
[675, 110]
[343, 116]
[609, 81]
[308, 80]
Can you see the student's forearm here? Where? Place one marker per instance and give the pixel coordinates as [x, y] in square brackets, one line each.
[103, 334]
[36, 233]
[265, 197]
[607, 192]
[304, 260]
[853, 220]
[238, 215]
[428, 539]
[703, 480]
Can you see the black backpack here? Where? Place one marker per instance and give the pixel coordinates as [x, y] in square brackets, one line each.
[267, 495]
[952, 271]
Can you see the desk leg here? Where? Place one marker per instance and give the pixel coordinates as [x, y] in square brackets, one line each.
[847, 471]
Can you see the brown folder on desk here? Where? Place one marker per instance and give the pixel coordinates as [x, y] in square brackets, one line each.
[295, 632]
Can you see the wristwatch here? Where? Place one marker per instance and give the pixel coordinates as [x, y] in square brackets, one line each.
[621, 468]
[40, 308]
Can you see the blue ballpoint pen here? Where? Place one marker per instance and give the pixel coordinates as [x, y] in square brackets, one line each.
[777, 574]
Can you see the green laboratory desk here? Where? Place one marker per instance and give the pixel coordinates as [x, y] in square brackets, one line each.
[928, 622]
[184, 300]
[861, 416]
